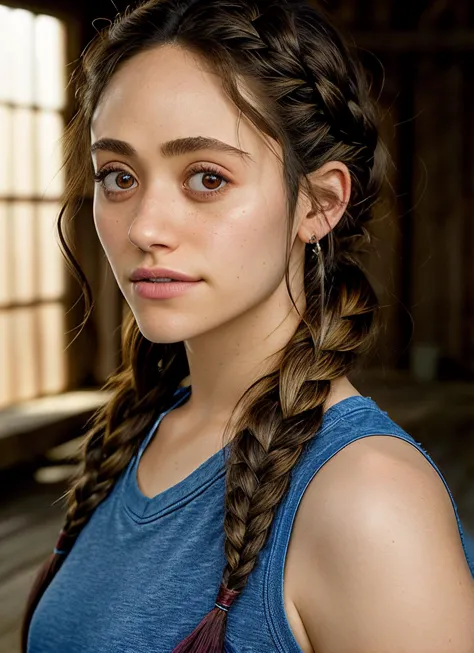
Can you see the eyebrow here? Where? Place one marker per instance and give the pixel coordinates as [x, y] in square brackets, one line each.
[177, 147]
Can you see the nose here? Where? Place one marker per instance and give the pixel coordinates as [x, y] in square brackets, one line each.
[151, 226]
[142, 241]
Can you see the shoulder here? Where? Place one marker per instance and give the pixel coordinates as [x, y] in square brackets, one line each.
[378, 536]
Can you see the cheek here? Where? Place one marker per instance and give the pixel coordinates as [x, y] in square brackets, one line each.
[110, 231]
[251, 249]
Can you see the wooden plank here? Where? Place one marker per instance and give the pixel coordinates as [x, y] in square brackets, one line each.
[29, 429]
[48, 410]
[438, 213]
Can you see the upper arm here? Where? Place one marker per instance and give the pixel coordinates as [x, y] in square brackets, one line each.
[382, 549]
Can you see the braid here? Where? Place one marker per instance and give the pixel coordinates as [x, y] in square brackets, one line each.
[119, 428]
[144, 387]
[257, 480]
[263, 455]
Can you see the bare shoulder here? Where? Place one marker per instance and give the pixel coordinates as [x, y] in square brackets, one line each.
[377, 535]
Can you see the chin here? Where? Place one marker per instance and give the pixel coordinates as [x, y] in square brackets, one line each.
[159, 330]
[161, 336]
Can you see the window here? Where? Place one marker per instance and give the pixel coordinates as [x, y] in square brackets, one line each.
[32, 274]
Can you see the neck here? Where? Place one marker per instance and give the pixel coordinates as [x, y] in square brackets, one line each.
[225, 362]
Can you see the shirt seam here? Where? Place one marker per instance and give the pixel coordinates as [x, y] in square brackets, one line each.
[139, 519]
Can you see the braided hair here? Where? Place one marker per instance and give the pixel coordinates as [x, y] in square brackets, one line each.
[308, 93]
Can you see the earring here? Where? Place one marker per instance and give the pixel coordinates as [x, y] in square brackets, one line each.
[317, 247]
[318, 253]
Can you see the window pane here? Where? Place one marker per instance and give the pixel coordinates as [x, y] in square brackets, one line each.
[24, 252]
[33, 78]
[23, 150]
[5, 360]
[5, 243]
[51, 346]
[21, 30]
[24, 353]
[5, 150]
[5, 55]
[50, 57]
[51, 266]
[49, 128]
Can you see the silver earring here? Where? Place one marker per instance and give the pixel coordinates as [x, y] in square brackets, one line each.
[318, 253]
[317, 247]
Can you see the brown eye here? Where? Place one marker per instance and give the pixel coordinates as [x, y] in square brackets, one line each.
[115, 181]
[124, 181]
[207, 181]
[212, 181]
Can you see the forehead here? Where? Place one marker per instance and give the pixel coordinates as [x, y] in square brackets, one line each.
[168, 92]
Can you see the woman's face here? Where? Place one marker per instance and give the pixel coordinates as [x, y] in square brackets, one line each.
[210, 213]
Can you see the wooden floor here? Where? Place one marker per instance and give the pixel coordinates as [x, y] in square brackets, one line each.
[439, 416]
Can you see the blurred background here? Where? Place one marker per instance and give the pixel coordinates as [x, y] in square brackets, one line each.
[420, 57]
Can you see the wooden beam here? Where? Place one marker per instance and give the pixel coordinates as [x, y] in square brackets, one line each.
[29, 429]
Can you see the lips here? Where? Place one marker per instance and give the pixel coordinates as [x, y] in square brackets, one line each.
[147, 274]
[163, 290]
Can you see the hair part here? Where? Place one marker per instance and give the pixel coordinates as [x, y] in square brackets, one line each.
[288, 71]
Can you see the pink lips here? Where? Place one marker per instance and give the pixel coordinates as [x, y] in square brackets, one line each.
[156, 273]
[163, 289]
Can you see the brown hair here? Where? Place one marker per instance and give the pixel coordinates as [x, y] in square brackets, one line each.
[310, 95]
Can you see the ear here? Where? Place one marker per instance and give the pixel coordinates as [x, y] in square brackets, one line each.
[333, 178]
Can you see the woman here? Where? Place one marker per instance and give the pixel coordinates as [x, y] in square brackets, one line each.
[230, 498]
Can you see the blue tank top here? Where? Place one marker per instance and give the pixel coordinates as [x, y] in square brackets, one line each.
[144, 571]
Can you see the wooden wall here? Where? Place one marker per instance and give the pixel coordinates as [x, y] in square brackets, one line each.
[427, 52]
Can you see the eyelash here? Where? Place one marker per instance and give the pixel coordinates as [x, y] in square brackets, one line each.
[100, 177]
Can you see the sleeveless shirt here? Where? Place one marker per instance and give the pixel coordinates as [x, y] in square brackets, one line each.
[145, 571]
